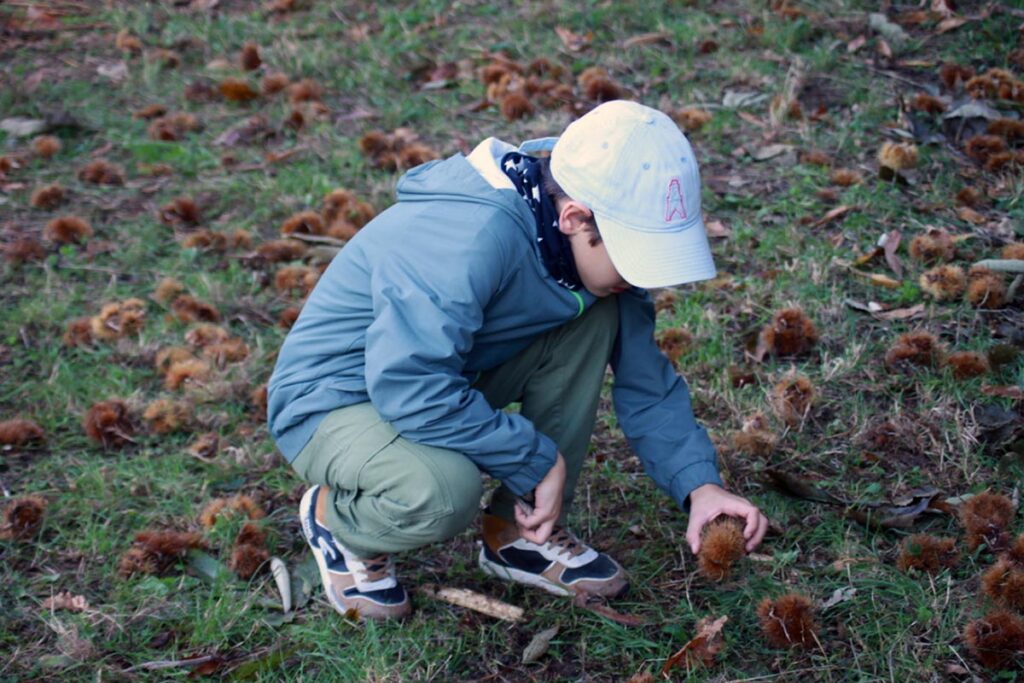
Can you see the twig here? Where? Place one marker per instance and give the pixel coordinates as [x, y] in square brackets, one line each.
[319, 239]
[1012, 11]
[1011, 293]
[475, 601]
[48, 32]
[1002, 265]
[172, 663]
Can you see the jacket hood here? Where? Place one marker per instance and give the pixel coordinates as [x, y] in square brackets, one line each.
[456, 179]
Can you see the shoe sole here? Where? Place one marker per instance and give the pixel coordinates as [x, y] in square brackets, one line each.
[500, 571]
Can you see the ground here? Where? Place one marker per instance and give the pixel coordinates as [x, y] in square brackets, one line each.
[791, 94]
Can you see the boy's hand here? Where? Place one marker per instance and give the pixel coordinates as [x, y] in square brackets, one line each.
[536, 525]
[710, 501]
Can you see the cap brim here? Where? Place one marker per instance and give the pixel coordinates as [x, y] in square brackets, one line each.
[658, 259]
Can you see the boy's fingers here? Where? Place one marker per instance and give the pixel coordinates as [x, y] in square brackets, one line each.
[544, 532]
[752, 515]
[693, 535]
[762, 529]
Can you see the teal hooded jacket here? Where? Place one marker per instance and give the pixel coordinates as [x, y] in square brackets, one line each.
[449, 282]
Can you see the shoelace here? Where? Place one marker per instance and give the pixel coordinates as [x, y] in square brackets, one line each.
[376, 568]
[565, 542]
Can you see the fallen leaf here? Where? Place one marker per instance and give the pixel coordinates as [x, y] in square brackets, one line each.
[115, 71]
[653, 38]
[267, 662]
[838, 595]
[856, 44]
[208, 667]
[770, 151]
[869, 256]
[901, 313]
[41, 18]
[942, 7]
[969, 215]
[877, 279]
[717, 229]
[273, 157]
[1004, 391]
[892, 33]
[703, 647]
[749, 118]
[858, 306]
[890, 242]
[67, 601]
[539, 645]
[305, 580]
[889, 516]
[283, 581]
[799, 488]
[884, 49]
[21, 127]
[220, 64]
[735, 99]
[950, 23]
[207, 567]
[833, 214]
[574, 42]
[598, 605]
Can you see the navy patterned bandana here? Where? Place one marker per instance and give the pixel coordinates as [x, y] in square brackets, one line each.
[555, 250]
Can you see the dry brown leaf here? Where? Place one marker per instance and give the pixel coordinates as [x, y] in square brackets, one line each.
[770, 151]
[598, 605]
[574, 42]
[877, 279]
[889, 246]
[1005, 391]
[749, 118]
[67, 601]
[942, 7]
[901, 313]
[969, 215]
[702, 648]
[539, 645]
[653, 38]
[883, 49]
[717, 229]
[833, 214]
[951, 23]
[868, 257]
[856, 44]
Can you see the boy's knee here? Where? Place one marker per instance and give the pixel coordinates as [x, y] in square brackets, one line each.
[438, 499]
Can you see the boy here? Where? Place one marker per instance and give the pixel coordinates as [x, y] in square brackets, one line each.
[498, 278]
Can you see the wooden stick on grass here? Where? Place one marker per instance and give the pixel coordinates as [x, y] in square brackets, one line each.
[475, 601]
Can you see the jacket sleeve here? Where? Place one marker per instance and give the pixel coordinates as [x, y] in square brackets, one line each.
[652, 404]
[425, 318]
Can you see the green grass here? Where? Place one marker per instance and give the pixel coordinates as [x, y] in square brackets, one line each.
[894, 627]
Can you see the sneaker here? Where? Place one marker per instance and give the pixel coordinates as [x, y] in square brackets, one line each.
[366, 585]
[563, 566]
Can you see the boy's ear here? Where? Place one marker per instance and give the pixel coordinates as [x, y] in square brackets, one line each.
[573, 217]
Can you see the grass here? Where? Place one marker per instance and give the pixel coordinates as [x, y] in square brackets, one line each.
[369, 57]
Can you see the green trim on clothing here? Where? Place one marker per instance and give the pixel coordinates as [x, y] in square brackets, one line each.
[579, 300]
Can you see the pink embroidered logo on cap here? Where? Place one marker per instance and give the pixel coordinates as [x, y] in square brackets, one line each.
[674, 204]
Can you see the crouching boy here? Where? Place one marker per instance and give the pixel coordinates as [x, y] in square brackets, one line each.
[498, 278]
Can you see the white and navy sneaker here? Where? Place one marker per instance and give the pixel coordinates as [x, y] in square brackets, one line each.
[366, 586]
[563, 566]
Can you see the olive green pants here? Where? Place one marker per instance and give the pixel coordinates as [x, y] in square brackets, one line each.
[389, 494]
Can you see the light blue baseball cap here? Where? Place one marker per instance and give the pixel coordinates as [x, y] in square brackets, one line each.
[634, 168]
